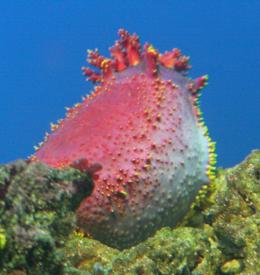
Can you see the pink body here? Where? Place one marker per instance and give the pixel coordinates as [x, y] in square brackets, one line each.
[139, 135]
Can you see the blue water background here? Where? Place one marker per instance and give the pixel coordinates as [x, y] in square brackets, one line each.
[43, 44]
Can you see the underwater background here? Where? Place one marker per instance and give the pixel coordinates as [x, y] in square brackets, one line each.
[43, 45]
[149, 201]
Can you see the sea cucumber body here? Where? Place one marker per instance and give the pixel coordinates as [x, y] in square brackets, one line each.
[141, 137]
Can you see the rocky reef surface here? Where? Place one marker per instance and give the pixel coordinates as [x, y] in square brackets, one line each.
[39, 235]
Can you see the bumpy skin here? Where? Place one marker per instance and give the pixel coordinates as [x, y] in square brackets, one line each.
[140, 137]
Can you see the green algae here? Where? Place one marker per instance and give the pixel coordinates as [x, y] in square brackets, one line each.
[2, 239]
[169, 250]
[39, 235]
[37, 212]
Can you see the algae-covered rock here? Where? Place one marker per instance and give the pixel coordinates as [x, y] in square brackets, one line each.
[37, 212]
[235, 216]
[38, 232]
[180, 250]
